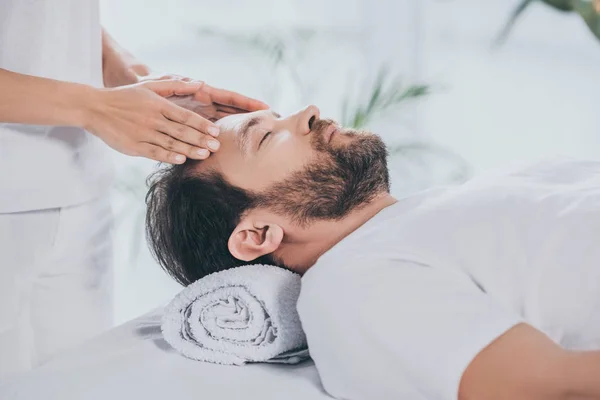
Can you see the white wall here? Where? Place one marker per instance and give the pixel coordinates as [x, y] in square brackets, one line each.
[532, 97]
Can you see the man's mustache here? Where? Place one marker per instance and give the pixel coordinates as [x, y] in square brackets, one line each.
[319, 126]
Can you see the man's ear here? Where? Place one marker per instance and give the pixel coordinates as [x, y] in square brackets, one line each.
[252, 239]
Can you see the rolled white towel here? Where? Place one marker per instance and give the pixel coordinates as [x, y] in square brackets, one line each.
[240, 315]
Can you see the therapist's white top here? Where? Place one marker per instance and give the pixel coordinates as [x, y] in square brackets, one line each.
[42, 166]
[399, 308]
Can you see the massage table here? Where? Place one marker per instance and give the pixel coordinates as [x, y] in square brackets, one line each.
[132, 361]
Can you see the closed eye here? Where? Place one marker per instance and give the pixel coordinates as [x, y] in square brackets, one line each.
[263, 139]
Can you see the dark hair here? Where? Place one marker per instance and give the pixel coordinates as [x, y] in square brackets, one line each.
[190, 216]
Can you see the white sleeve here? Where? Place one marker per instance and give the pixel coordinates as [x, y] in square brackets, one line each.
[395, 329]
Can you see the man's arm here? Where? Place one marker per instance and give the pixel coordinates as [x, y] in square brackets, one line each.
[583, 375]
[525, 364]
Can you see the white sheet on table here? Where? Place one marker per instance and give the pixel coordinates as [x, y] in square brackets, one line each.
[134, 362]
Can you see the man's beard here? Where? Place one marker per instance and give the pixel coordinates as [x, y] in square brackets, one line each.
[344, 178]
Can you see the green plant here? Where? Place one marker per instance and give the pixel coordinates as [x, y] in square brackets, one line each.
[385, 95]
[132, 187]
[284, 50]
[589, 10]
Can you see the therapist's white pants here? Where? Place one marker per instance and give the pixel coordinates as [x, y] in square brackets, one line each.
[55, 282]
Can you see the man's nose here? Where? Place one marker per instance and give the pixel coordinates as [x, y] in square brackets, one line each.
[305, 118]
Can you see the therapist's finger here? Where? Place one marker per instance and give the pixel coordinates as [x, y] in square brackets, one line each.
[169, 77]
[167, 142]
[189, 136]
[154, 152]
[233, 99]
[229, 109]
[189, 118]
[173, 87]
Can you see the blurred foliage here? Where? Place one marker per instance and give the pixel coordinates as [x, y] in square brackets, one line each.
[430, 162]
[276, 46]
[132, 186]
[385, 95]
[284, 48]
[589, 10]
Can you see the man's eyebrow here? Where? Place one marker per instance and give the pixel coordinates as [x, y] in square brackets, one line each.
[243, 137]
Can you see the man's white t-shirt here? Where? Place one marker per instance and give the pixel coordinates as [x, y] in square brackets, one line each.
[48, 166]
[400, 307]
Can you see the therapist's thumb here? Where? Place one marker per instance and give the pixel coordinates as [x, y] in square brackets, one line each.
[173, 87]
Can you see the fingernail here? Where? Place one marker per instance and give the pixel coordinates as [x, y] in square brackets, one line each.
[202, 152]
[213, 144]
[179, 158]
[213, 130]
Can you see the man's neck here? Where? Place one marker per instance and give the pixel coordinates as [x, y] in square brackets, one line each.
[303, 248]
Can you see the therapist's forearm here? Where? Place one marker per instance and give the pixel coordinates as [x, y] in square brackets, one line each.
[120, 67]
[32, 100]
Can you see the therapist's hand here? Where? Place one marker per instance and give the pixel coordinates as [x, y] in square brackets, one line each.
[137, 120]
[210, 102]
[121, 68]
[214, 104]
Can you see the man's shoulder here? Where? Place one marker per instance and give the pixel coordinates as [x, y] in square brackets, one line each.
[359, 267]
[389, 238]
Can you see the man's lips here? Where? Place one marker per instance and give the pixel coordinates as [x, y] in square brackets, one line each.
[325, 129]
[329, 132]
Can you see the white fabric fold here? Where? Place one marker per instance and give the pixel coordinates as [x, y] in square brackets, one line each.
[244, 314]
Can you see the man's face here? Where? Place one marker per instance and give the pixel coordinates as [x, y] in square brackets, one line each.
[300, 165]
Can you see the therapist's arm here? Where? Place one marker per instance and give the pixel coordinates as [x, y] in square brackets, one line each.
[119, 66]
[526, 364]
[136, 120]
